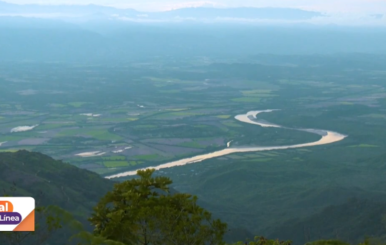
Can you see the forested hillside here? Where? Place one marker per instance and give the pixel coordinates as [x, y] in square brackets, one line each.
[53, 182]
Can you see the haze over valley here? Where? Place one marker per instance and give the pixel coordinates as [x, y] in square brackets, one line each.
[273, 116]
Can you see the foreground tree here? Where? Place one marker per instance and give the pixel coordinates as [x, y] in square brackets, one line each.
[143, 212]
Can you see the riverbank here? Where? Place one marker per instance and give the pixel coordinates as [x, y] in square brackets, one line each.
[328, 137]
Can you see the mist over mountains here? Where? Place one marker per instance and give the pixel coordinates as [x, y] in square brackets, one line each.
[245, 15]
[98, 33]
[29, 39]
[87, 12]
[57, 11]
[112, 90]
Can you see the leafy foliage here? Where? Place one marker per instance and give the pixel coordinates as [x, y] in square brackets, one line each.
[141, 211]
[328, 242]
[86, 238]
[260, 240]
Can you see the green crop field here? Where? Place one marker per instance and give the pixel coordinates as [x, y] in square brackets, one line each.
[116, 164]
[147, 157]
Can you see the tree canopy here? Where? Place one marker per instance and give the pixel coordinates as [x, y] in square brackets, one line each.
[142, 211]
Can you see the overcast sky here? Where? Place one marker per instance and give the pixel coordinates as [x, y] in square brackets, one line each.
[357, 6]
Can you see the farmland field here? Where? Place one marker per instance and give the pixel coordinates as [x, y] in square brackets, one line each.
[112, 119]
[146, 119]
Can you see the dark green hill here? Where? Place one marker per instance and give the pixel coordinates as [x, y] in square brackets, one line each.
[281, 196]
[260, 198]
[51, 182]
[347, 222]
[325, 211]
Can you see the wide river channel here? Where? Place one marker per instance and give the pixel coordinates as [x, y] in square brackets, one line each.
[327, 137]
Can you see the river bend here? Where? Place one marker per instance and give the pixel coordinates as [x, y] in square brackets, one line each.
[327, 137]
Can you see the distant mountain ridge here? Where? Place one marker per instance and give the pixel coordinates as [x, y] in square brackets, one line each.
[247, 13]
[192, 13]
[10, 8]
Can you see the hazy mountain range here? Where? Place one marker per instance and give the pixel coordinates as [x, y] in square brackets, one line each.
[97, 33]
[84, 13]
[81, 13]
[96, 11]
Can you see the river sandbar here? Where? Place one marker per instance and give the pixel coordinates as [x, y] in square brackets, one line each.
[328, 137]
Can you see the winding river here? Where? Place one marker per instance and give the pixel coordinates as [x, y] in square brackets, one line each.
[327, 137]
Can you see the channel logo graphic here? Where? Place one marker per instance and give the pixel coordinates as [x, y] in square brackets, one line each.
[17, 214]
